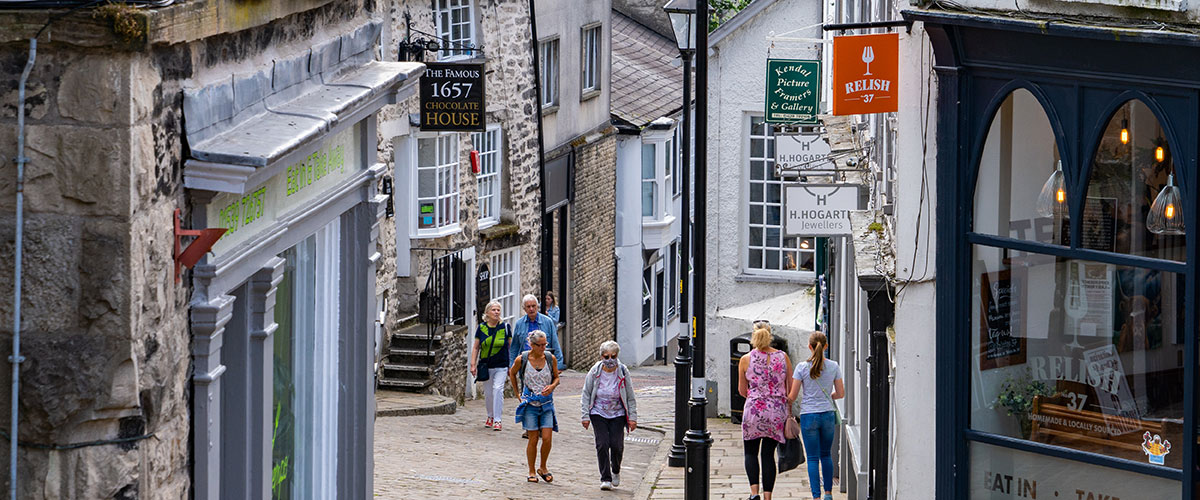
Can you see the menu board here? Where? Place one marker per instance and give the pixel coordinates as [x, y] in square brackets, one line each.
[1001, 321]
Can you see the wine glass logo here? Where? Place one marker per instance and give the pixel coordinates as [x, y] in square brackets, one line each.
[868, 56]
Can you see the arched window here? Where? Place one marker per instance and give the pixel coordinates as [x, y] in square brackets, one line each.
[1020, 156]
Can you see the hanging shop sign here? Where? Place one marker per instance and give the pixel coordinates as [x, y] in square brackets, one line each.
[820, 209]
[452, 97]
[483, 288]
[245, 215]
[793, 91]
[803, 153]
[865, 73]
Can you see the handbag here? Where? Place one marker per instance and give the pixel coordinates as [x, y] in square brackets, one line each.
[482, 371]
[791, 454]
[837, 415]
[791, 429]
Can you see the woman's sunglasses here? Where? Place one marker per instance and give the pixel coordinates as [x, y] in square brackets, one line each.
[608, 356]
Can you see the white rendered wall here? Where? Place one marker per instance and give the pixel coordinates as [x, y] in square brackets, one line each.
[565, 21]
[737, 73]
[634, 347]
[913, 399]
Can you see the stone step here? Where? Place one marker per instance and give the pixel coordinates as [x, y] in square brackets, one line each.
[404, 384]
[408, 368]
[420, 352]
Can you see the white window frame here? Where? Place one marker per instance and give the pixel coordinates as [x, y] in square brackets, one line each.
[652, 181]
[490, 146]
[663, 180]
[672, 291]
[589, 61]
[548, 63]
[676, 162]
[647, 300]
[455, 48]
[747, 206]
[448, 162]
[505, 282]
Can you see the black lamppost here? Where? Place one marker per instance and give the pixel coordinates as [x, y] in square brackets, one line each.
[697, 440]
[683, 20]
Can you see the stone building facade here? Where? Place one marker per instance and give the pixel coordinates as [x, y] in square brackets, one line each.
[504, 235]
[153, 388]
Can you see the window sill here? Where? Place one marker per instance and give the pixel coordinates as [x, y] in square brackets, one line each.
[498, 230]
[471, 59]
[486, 223]
[762, 278]
[423, 234]
[548, 110]
[589, 94]
[647, 331]
[654, 222]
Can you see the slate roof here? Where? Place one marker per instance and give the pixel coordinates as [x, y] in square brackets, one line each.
[645, 85]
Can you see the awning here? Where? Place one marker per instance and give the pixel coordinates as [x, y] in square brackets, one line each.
[285, 123]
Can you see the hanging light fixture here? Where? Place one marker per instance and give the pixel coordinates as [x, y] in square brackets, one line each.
[1165, 217]
[1124, 131]
[1160, 154]
[1053, 200]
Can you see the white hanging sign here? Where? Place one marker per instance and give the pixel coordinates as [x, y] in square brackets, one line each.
[820, 209]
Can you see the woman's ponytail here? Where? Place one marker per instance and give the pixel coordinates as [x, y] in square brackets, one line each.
[817, 342]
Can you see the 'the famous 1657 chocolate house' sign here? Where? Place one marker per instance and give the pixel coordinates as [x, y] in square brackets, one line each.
[452, 97]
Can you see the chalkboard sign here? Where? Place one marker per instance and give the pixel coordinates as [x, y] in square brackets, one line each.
[1001, 342]
[483, 288]
[1099, 225]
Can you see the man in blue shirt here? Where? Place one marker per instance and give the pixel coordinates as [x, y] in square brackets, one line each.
[533, 320]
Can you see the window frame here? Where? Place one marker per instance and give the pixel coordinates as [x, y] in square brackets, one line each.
[455, 226]
[513, 256]
[745, 207]
[496, 177]
[589, 60]
[445, 33]
[549, 69]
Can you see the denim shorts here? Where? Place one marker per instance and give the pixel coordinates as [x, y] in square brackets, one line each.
[538, 417]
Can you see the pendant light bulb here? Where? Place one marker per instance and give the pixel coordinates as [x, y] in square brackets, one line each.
[1124, 131]
[1160, 154]
[1053, 200]
[1164, 215]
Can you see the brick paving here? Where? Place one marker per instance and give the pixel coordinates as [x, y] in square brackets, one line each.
[454, 456]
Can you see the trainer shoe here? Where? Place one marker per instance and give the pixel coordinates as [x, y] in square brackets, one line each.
[489, 422]
[616, 479]
[606, 485]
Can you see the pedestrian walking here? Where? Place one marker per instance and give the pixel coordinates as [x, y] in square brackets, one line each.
[552, 307]
[533, 320]
[537, 371]
[820, 381]
[763, 381]
[608, 405]
[489, 361]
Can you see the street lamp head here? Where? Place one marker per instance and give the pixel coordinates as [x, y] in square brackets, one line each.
[683, 22]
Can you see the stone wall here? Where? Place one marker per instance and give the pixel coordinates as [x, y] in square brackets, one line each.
[592, 233]
[511, 103]
[104, 324]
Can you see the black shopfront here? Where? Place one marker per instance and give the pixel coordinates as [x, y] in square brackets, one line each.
[1066, 293]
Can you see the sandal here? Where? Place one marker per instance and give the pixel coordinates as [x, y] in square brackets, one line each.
[546, 476]
[531, 479]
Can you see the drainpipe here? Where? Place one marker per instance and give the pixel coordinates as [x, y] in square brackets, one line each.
[16, 357]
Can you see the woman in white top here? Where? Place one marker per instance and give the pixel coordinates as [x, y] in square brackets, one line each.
[820, 379]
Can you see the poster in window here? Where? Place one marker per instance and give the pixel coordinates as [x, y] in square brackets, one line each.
[1000, 340]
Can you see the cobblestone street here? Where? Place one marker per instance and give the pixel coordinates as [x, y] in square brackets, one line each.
[454, 456]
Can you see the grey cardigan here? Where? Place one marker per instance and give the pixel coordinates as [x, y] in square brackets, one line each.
[588, 398]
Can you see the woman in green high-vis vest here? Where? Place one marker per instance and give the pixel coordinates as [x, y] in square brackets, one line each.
[489, 361]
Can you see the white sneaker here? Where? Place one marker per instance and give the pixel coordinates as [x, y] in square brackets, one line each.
[616, 479]
[605, 485]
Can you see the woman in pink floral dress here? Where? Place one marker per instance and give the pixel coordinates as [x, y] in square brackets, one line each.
[763, 380]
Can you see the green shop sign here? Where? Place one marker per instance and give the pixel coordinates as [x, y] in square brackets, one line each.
[330, 162]
[793, 91]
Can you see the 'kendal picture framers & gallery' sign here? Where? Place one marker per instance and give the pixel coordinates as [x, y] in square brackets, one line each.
[793, 91]
[452, 97]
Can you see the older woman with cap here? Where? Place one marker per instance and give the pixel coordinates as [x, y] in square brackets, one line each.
[608, 406]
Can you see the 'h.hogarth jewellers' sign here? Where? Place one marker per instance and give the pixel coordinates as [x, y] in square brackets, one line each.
[820, 209]
[452, 97]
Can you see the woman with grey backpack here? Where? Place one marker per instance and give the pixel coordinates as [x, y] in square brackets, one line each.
[608, 406]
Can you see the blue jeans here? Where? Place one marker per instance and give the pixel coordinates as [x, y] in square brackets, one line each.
[816, 429]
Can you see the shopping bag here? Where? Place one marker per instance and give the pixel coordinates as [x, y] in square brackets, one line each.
[791, 455]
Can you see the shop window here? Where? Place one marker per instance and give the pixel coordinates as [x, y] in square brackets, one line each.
[455, 21]
[590, 60]
[1019, 163]
[1131, 167]
[768, 251]
[548, 63]
[491, 160]
[672, 289]
[437, 185]
[647, 300]
[506, 281]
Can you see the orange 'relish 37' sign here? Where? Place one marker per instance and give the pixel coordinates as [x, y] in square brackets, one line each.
[865, 70]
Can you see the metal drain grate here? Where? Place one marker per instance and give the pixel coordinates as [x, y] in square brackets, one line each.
[641, 440]
[447, 479]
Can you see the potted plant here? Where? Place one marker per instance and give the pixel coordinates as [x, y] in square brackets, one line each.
[1016, 396]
